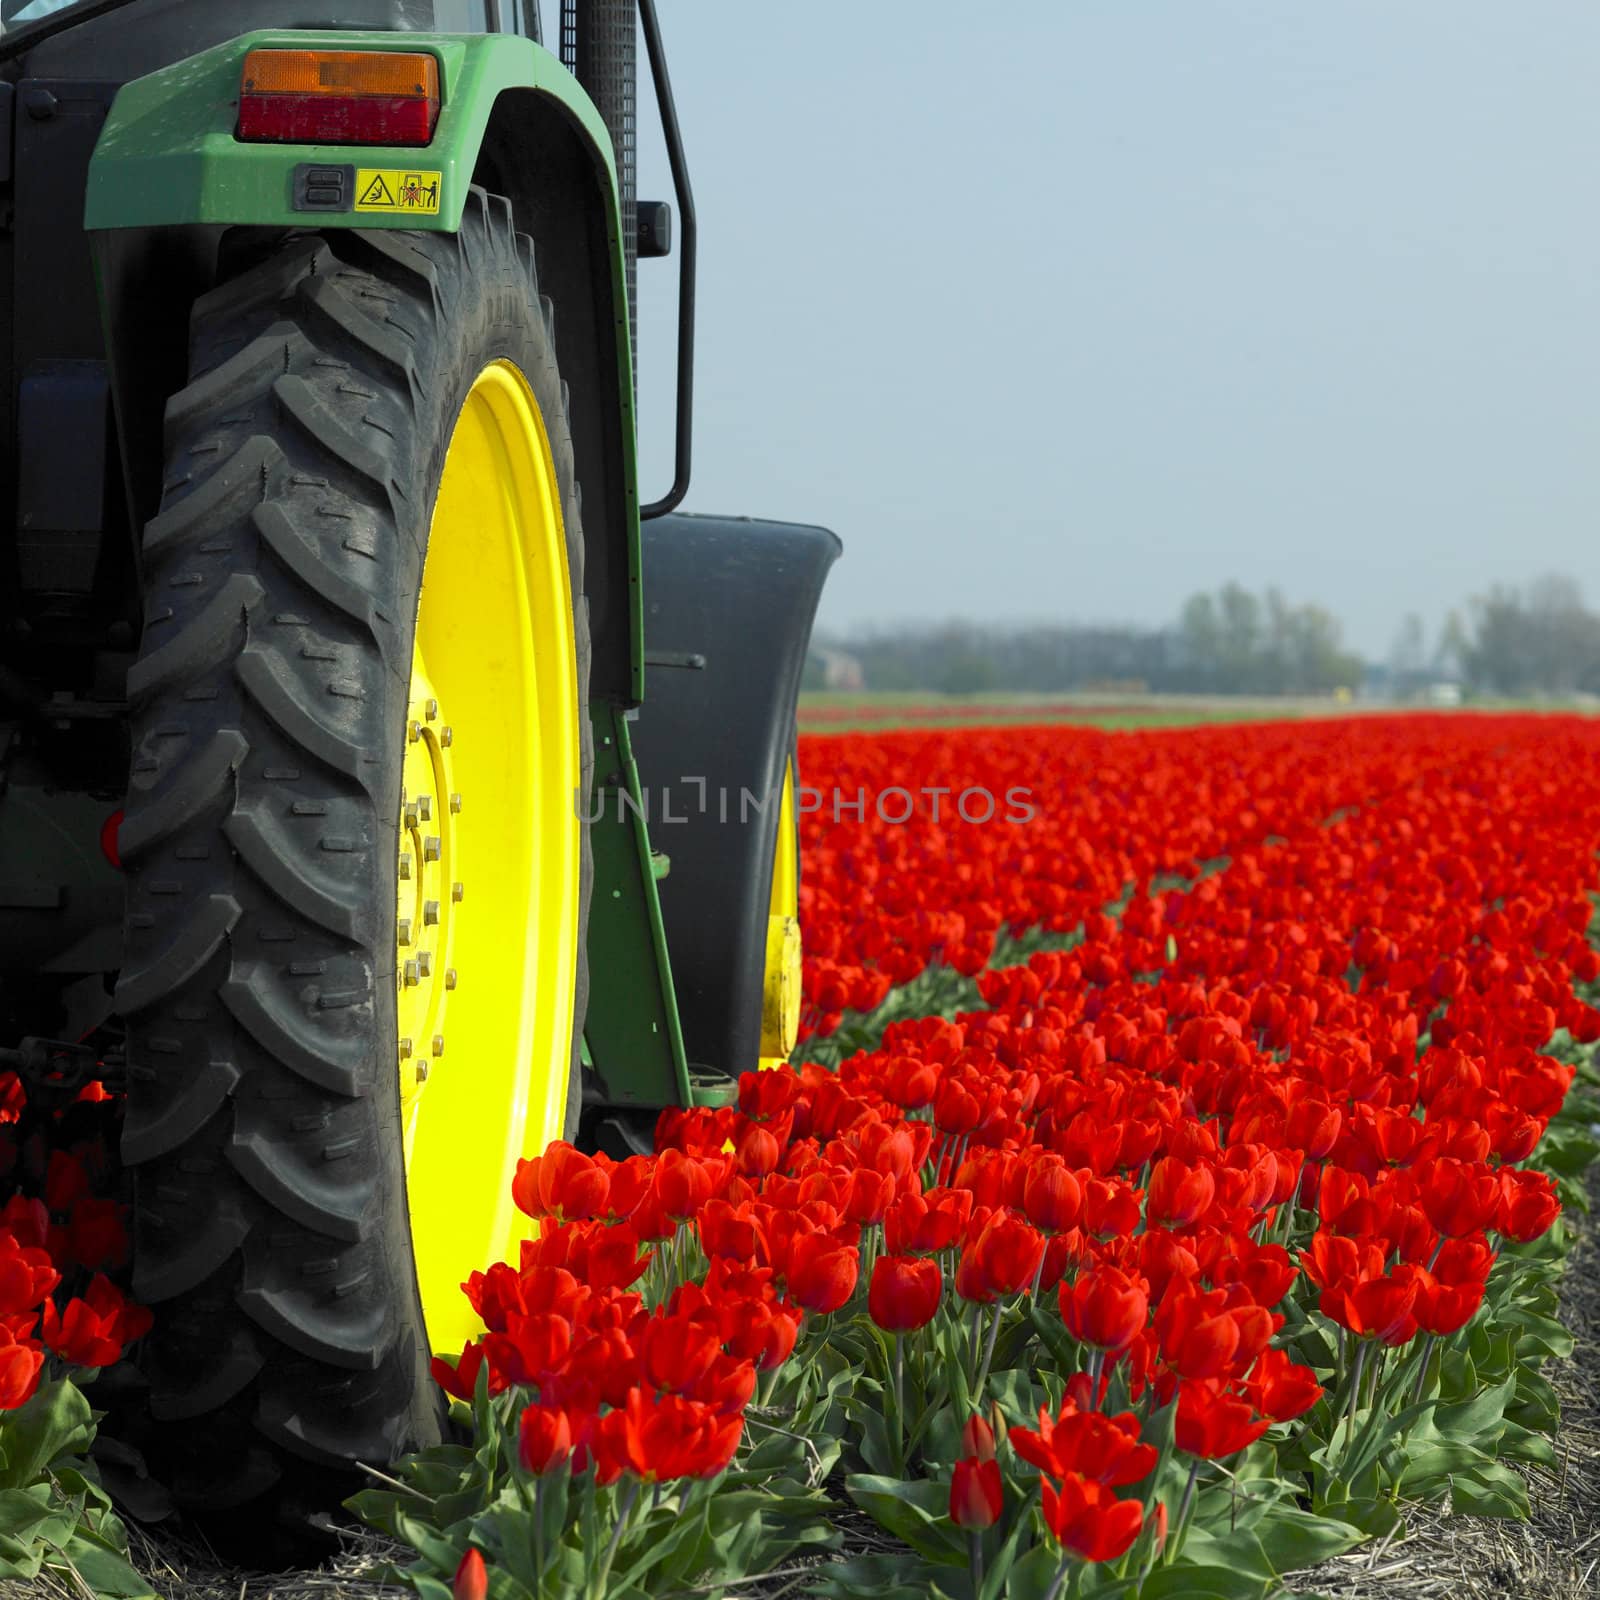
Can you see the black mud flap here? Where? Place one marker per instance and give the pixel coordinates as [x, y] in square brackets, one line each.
[729, 603]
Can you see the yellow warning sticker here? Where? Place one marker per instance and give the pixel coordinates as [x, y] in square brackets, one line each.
[391, 189]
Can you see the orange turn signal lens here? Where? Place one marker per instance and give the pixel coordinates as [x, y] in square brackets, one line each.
[339, 96]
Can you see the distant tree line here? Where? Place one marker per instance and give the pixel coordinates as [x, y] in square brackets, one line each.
[1536, 641]
[1232, 642]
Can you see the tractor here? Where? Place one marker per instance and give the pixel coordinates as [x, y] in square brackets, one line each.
[336, 828]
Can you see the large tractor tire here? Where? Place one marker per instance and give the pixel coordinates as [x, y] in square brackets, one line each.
[358, 880]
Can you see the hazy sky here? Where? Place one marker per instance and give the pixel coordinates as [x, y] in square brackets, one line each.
[1070, 313]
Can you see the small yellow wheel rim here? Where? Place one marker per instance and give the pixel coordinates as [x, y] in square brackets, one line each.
[488, 872]
[780, 998]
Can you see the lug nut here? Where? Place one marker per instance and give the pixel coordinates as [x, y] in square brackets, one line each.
[430, 847]
[404, 930]
[455, 802]
[449, 977]
[447, 736]
[430, 912]
[411, 815]
[405, 865]
[422, 1072]
[413, 731]
[405, 1048]
[425, 964]
[413, 975]
[458, 892]
[431, 710]
[438, 1044]
[425, 807]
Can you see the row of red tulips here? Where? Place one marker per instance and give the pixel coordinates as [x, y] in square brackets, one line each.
[64, 1246]
[881, 900]
[1183, 1263]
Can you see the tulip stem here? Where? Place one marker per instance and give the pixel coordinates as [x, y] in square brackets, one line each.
[975, 1547]
[988, 1355]
[1175, 1542]
[624, 1509]
[1060, 1578]
[900, 1402]
[1355, 1389]
[1422, 1368]
[538, 1535]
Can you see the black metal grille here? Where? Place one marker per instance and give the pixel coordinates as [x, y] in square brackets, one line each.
[600, 47]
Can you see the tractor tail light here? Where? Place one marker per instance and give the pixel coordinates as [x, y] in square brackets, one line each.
[110, 830]
[339, 97]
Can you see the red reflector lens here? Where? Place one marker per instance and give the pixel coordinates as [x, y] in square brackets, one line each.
[339, 97]
[109, 830]
[325, 119]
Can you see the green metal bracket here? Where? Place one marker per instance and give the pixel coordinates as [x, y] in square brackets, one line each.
[632, 1031]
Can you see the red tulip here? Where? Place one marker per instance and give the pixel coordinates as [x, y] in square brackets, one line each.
[867, 1195]
[1178, 1194]
[20, 1365]
[975, 1493]
[563, 1182]
[1279, 1388]
[471, 1581]
[1110, 1208]
[1376, 1307]
[821, 1272]
[678, 1350]
[1212, 1424]
[1528, 1205]
[682, 1184]
[977, 1438]
[1105, 1308]
[666, 1437]
[80, 1337]
[923, 1224]
[1460, 1197]
[544, 1439]
[1086, 1518]
[1313, 1127]
[1087, 1442]
[460, 1380]
[769, 1093]
[1008, 1253]
[1051, 1197]
[904, 1292]
[757, 1152]
[26, 1277]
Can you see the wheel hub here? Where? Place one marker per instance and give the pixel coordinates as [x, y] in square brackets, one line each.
[429, 895]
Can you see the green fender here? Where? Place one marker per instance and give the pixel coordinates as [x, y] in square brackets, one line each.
[167, 157]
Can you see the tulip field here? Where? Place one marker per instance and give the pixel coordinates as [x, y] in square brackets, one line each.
[1188, 1201]
[1170, 1189]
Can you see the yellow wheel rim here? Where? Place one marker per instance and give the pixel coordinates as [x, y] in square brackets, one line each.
[487, 921]
[780, 999]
